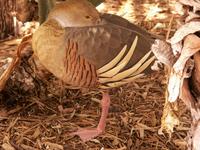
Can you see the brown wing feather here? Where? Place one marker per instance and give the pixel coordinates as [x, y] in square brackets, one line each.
[100, 44]
[114, 19]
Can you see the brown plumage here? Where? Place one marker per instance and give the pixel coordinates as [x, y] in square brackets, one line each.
[87, 49]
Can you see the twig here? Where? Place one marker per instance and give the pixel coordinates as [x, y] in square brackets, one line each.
[169, 27]
[4, 77]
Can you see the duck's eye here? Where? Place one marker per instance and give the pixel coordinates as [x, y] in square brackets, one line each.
[87, 17]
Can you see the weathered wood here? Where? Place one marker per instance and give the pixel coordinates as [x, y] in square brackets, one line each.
[26, 10]
[7, 9]
[195, 81]
[13, 10]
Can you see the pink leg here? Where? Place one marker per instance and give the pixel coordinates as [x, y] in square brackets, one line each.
[88, 134]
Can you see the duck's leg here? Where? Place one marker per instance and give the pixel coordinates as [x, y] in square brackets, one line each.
[88, 134]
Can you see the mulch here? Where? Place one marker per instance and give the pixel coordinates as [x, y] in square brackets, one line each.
[37, 111]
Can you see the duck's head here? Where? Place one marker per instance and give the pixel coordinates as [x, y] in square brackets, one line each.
[75, 13]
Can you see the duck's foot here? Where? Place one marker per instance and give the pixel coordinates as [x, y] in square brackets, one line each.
[88, 134]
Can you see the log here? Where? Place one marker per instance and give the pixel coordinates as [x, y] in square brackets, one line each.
[195, 80]
[7, 8]
[13, 10]
[26, 10]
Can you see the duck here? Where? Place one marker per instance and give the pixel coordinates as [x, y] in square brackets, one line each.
[90, 50]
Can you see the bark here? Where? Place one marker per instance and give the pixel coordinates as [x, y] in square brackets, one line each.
[7, 9]
[195, 80]
[23, 10]
[26, 10]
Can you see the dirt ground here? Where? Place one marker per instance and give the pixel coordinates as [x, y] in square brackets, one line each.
[37, 111]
